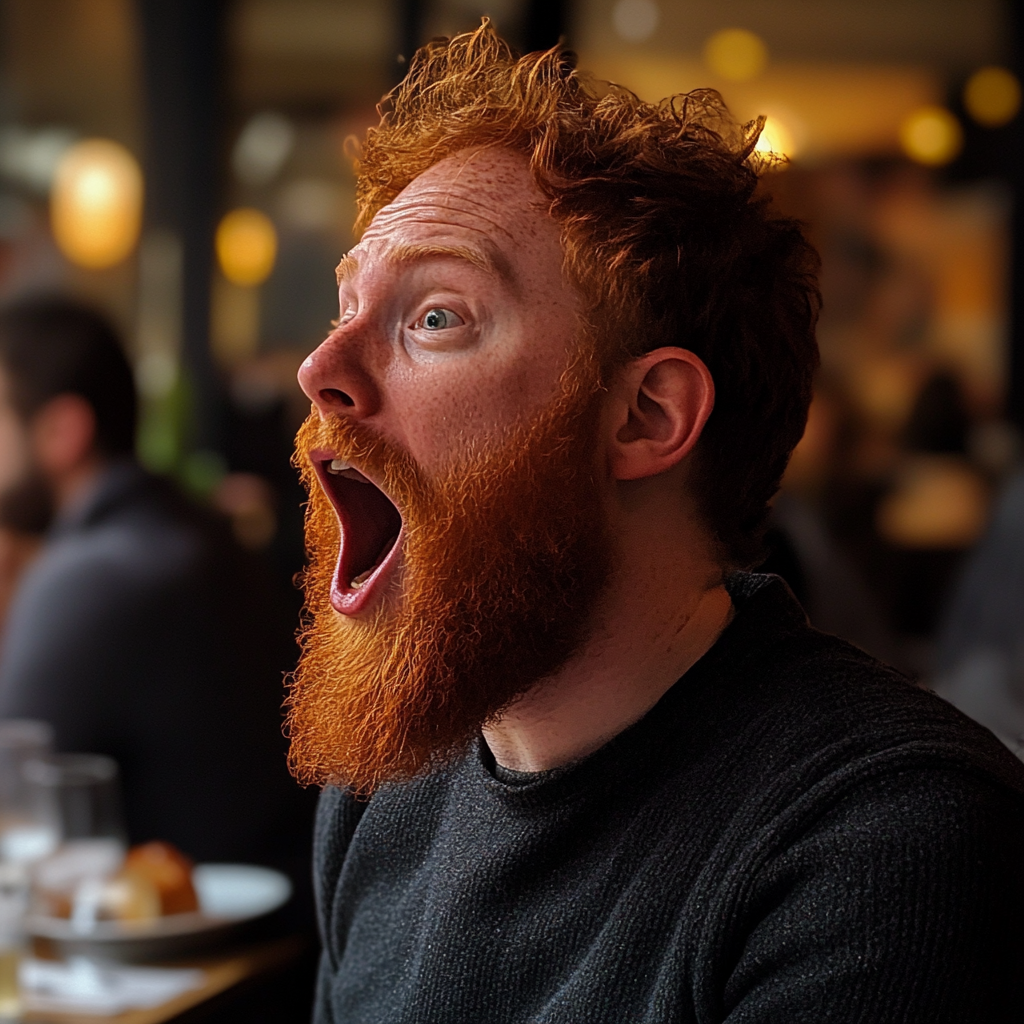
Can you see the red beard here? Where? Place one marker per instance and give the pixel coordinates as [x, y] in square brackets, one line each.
[505, 554]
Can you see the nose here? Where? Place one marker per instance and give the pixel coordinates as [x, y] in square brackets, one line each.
[336, 380]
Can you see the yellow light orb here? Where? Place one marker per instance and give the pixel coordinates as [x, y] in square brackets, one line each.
[931, 136]
[736, 54]
[96, 203]
[776, 140]
[992, 96]
[246, 246]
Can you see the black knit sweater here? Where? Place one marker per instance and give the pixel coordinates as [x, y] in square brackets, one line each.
[793, 834]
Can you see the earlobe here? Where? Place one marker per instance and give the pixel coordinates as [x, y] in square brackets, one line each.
[664, 399]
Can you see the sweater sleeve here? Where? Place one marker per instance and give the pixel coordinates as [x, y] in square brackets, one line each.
[903, 902]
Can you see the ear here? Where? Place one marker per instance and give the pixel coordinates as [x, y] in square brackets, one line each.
[63, 434]
[659, 405]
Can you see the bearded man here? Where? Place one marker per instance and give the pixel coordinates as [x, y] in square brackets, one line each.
[578, 767]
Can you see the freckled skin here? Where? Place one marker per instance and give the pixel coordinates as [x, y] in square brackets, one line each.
[431, 391]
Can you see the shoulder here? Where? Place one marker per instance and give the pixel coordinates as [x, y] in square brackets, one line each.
[784, 723]
[816, 692]
[836, 697]
[111, 567]
[849, 815]
[93, 587]
[139, 537]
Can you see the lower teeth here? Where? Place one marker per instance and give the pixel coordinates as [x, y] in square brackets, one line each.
[364, 576]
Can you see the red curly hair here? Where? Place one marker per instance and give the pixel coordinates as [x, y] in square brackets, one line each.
[664, 232]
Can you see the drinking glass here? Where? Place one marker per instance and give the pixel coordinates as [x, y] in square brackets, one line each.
[77, 795]
[25, 836]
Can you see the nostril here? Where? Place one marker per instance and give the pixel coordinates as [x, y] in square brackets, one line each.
[334, 396]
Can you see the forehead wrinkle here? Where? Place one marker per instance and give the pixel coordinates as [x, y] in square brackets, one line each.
[424, 208]
[461, 201]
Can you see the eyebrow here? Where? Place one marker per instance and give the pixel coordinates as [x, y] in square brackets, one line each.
[488, 259]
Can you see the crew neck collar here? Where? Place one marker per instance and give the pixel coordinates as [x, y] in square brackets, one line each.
[765, 610]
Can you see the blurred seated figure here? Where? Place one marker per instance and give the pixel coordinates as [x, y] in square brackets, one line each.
[930, 514]
[142, 631]
[802, 550]
[823, 579]
[980, 651]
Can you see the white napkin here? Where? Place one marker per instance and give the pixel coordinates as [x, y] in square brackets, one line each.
[83, 986]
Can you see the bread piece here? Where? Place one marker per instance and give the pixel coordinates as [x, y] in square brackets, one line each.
[125, 897]
[170, 873]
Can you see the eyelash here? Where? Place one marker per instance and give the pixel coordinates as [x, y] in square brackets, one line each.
[339, 320]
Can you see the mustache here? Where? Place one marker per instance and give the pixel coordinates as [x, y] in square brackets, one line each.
[344, 438]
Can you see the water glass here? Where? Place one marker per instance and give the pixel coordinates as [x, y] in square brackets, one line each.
[77, 795]
[24, 836]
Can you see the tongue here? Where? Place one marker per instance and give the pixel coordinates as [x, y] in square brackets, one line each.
[371, 524]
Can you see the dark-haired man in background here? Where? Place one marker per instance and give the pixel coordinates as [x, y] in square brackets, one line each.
[142, 631]
[579, 767]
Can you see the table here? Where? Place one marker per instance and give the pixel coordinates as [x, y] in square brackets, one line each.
[227, 971]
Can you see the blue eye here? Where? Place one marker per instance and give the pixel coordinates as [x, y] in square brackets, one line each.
[438, 319]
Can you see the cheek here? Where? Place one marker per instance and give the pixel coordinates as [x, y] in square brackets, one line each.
[447, 406]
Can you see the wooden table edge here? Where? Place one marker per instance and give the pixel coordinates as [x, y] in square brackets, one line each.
[222, 973]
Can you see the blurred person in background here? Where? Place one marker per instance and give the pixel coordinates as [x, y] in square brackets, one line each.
[979, 660]
[801, 546]
[142, 631]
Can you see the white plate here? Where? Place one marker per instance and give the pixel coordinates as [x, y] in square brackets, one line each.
[239, 891]
[229, 895]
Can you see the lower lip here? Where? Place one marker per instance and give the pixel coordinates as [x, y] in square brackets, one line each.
[352, 600]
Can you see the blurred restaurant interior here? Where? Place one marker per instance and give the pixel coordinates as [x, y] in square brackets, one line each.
[183, 167]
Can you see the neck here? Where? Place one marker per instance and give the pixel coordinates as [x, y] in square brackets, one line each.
[638, 650]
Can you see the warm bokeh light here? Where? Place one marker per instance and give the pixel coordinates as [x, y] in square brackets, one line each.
[736, 54]
[246, 246]
[931, 136]
[992, 96]
[777, 140]
[96, 203]
[938, 502]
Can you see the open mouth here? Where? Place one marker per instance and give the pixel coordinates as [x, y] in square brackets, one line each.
[370, 528]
